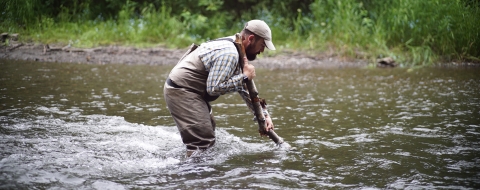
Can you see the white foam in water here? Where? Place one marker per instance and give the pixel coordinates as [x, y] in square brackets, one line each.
[284, 146]
[50, 150]
[227, 145]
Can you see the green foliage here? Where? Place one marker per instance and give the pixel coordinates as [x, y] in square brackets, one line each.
[153, 27]
[425, 28]
[413, 32]
[18, 13]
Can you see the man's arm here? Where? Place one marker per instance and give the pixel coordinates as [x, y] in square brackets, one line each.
[222, 77]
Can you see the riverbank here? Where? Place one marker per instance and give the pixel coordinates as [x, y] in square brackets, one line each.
[127, 55]
[162, 56]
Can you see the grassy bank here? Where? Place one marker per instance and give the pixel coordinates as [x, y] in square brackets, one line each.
[412, 32]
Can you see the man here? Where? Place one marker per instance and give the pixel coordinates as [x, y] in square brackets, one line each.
[207, 72]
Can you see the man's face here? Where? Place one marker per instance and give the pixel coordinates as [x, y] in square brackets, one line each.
[253, 49]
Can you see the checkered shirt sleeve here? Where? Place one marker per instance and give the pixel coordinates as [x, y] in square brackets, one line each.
[221, 61]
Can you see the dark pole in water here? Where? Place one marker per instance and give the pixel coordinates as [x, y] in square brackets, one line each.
[252, 91]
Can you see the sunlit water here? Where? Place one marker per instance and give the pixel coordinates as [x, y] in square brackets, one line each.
[74, 126]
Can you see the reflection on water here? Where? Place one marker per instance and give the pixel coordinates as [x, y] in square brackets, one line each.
[71, 126]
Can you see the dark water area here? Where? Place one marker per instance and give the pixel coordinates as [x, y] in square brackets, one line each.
[77, 126]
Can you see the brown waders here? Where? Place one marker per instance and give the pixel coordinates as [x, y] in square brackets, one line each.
[185, 92]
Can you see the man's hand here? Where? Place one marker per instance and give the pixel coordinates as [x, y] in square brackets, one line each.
[268, 127]
[248, 70]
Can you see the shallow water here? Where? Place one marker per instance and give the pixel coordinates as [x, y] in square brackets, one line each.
[75, 126]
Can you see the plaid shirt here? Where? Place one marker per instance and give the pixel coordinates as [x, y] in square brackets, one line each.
[224, 74]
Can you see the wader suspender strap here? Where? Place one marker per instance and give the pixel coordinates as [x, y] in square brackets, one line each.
[194, 46]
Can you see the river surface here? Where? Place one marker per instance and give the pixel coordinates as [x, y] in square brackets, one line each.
[77, 126]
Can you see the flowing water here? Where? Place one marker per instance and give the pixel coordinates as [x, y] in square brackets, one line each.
[76, 126]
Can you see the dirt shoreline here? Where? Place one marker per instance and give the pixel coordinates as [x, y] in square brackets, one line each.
[128, 55]
[159, 56]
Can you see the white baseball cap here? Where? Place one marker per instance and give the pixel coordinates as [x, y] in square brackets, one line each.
[260, 28]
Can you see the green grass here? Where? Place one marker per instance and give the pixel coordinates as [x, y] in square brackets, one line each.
[154, 28]
[413, 32]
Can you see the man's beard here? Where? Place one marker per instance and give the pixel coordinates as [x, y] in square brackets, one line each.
[250, 56]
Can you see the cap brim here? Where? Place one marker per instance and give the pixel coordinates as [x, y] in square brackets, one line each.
[269, 45]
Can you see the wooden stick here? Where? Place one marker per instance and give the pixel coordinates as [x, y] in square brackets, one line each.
[252, 91]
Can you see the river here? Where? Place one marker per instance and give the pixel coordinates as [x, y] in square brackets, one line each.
[80, 126]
